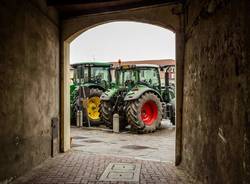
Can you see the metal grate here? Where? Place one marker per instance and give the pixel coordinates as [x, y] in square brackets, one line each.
[122, 172]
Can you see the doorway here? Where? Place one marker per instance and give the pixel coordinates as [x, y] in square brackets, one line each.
[125, 43]
[162, 16]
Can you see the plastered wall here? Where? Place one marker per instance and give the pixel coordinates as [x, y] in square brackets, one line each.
[216, 91]
[29, 83]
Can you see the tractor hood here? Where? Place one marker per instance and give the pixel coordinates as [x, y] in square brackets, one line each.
[132, 94]
[109, 93]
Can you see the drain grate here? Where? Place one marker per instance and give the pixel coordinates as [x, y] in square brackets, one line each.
[124, 167]
[121, 172]
[120, 175]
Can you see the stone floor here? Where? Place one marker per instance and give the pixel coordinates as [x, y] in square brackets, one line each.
[79, 167]
[94, 149]
[157, 146]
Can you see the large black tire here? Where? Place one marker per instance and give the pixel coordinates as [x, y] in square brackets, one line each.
[172, 118]
[106, 114]
[134, 113]
[94, 92]
[73, 110]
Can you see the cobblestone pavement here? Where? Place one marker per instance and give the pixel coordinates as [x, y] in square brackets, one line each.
[157, 146]
[79, 167]
[94, 149]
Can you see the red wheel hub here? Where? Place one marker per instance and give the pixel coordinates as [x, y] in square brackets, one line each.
[149, 112]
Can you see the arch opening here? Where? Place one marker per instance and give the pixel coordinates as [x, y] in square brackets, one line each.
[155, 45]
[70, 34]
[75, 35]
[123, 38]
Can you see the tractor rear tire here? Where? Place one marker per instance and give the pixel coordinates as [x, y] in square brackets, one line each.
[93, 107]
[172, 120]
[146, 110]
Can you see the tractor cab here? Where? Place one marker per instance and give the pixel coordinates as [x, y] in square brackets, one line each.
[92, 74]
[141, 74]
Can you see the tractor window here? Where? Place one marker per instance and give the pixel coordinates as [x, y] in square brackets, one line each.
[127, 76]
[81, 74]
[75, 79]
[150, 76]
[99, 74]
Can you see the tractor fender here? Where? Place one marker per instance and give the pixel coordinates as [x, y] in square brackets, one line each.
[137, 91]
[107, 95]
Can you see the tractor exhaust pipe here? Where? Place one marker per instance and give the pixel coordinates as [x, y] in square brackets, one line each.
[166, 80]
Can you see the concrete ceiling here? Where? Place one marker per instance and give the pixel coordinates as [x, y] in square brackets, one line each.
[71, 8]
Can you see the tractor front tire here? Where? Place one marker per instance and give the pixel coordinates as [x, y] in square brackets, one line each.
[147, 110]
[106, 114]
[73, 108]
[73, 113]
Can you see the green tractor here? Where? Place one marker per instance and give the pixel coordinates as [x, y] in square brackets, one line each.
[90, 80]
[138, 98]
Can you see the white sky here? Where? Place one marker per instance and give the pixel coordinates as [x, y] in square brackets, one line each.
[127, 41]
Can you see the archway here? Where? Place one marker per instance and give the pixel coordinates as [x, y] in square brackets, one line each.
[168, 17]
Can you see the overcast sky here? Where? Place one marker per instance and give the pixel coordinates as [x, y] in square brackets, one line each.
[127, 41]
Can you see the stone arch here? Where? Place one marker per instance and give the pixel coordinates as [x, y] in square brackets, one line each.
[75, 35]
[164, 16]
[168, 17]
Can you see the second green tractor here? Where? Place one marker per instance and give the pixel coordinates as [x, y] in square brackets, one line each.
[138, 98]
[90, 80]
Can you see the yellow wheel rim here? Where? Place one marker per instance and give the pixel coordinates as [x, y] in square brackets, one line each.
[93, 104]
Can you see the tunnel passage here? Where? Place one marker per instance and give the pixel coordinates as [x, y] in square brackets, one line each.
[213, 46]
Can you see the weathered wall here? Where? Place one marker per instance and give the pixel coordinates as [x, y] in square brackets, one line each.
[216, 91]
[246, 154]
[29, 83]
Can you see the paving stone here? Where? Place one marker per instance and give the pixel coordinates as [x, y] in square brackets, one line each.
[158, 146]
[79, 167]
